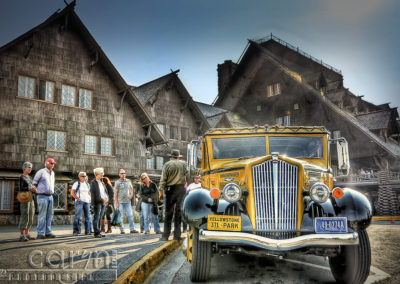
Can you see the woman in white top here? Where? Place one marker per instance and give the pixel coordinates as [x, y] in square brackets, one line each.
[81, 193]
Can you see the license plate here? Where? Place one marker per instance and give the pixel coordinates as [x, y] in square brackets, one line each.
[330, 225]
[224, 223]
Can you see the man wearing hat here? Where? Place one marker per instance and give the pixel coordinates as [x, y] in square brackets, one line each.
[44, 181]
[172, 187]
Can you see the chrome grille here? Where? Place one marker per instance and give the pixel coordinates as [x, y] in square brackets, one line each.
[275, 198]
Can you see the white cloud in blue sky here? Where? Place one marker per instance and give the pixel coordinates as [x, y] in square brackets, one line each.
[145, 39]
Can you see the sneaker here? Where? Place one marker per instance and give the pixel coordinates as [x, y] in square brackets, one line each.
[30, 237]
[134, 232]
[102, 235]
[122, 232]
[97, 236]
[75, 234]
[23, 238]
[146, 233]
[159, 232]
[164, 239]
[50, 236]
[40, 237]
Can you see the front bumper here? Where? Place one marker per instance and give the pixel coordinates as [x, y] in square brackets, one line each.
[246, 239]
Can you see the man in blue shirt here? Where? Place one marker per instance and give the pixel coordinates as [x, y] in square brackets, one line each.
[44, 181]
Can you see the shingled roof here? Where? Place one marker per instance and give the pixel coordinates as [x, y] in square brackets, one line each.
[215, 115]
[149, 91]
[375, 120]
[249, 66]
[68, 16]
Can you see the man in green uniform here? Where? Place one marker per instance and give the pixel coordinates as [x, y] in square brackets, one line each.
[172, 187]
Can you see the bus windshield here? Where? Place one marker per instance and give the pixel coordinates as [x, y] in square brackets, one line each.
[297, 147]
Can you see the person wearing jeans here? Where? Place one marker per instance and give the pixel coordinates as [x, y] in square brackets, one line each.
[81, 193]
[44, 181]
[123, 195]
[149, 193]
[99, 198]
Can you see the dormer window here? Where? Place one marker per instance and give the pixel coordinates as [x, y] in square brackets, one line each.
[273, 90]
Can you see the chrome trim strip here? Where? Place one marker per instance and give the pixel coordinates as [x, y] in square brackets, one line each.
[275, 179]
[312, 240]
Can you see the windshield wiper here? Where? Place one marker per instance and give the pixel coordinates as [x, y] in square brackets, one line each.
[245, 157]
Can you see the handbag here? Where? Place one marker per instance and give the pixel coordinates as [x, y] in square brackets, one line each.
[116, 219]
[24, 196]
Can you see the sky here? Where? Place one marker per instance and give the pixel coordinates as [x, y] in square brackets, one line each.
[147, 39]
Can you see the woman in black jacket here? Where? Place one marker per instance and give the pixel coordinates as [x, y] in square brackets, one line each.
[109, 210]
[149, 194]
[99, 200]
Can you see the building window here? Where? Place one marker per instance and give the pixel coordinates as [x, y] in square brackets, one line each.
[286, 120]
[90, 144]
[273, 90]
[56, 140]
[105, 146]
[159, 162]
[68, 95]
[279, 121]
[184, 134]
[6, 196]
[149, 163]
[296, 106]
[161, 127]
[26, 87]
[46, 91]
[173, 133]
[60, 196]
[85, 98]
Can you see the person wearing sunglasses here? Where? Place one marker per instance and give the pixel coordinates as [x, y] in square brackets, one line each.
[80, 191]
[123, 194]
[148, 192]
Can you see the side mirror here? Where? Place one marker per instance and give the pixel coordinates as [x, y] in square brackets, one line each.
[343, 156]
[193, 157]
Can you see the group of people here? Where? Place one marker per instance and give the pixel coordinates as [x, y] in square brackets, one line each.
[105, 199]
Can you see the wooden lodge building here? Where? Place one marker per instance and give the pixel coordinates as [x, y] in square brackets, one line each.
[276, 83]
[61, 97]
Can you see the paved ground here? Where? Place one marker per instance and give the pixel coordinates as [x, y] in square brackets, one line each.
[67, 258]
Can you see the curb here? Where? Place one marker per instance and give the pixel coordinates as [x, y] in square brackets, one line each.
[144, 266]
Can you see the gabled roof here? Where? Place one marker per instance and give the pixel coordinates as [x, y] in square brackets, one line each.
[216, 115]
[70, 19]
[375, 120]
[250, 64]
[148, 92]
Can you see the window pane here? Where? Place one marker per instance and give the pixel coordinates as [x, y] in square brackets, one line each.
[298, 147]
[286, 120]
[173, 132]
[59, 197]
[161, 127]
[5, 195]
[184, 134]
[26, 87]
[106, 146]
[277, 88]
[159, 162]
[46, 91]
[85, 98]
[55, 140]
[68, 95]
[90, 144]
[227, 148]
[150, 163]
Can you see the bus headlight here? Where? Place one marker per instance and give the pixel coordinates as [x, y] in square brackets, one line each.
[319, 193]
[232, 192]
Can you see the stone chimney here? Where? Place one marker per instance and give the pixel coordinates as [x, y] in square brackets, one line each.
[225, 72]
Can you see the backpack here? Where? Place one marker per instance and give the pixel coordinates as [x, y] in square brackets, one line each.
[79, 186]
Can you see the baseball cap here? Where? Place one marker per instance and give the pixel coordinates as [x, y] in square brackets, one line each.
[51, 161]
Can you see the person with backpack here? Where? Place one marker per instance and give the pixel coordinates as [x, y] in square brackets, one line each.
[81, 193]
